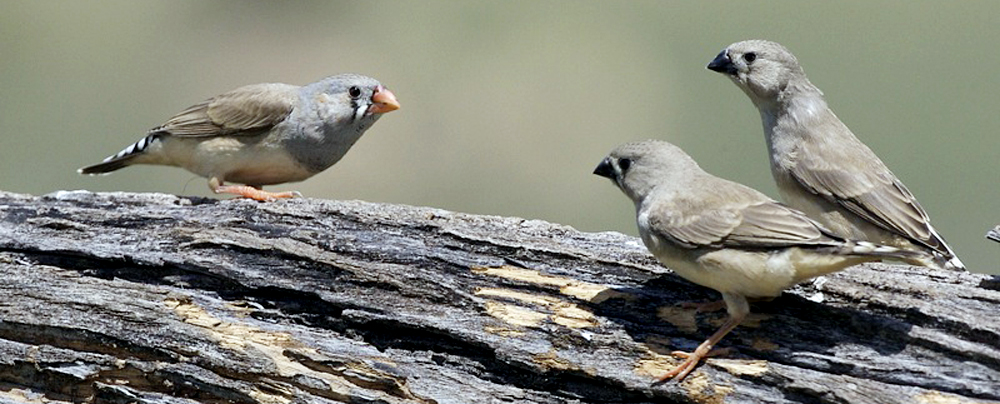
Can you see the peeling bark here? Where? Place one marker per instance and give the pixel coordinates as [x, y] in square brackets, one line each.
[151, 298]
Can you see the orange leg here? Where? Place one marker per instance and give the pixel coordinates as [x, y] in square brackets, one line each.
[738, 308]
[248, 191]
[703, 351]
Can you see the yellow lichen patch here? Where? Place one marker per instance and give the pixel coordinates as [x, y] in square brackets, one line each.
[572, 316]
[230, 335]
[590, 292]
[551, 360]
[569, 287]
[25, 396]
[656, 365]
[563, 313]
[741, 367]
[271, 345]
[702, 390]
[515, 315]
[763, 345]
[515, 295]
[683, 319]
[603, 295]
[937, 397]
[262, 397]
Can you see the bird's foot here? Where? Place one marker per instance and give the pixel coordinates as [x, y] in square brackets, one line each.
[681, 371]
[255, 193]
[691, 360]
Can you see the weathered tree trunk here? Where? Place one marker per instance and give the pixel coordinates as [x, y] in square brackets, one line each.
[163, 299]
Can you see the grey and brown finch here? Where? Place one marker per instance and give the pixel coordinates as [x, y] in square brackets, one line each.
[262, 134]
[820, 167]
[726, 236]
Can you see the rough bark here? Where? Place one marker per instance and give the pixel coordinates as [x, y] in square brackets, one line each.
[161, 299]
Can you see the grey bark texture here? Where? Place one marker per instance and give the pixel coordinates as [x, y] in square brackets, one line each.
[151, 298]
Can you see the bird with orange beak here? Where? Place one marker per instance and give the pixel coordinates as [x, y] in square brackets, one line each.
[262, 134]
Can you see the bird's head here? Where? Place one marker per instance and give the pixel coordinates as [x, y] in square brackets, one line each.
[359, 96]
[762, 69]
[639, 168]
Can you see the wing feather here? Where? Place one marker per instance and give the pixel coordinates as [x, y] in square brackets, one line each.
[743, 218]
[873, 193]
[245, 110]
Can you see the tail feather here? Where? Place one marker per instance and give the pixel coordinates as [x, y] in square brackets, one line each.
[865, 248]
[946, 259]
[952, 262]
[926, 258]
[121, 159]
[105, 167]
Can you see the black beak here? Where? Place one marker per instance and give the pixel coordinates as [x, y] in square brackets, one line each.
[605, 169]
[722, 64]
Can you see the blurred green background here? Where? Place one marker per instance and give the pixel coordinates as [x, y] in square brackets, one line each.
[508, 106]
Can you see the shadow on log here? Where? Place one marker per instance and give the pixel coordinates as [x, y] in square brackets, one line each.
[152, 298]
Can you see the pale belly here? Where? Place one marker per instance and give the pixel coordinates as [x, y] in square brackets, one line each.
[232, 159]
[748, 273]
[751, 274]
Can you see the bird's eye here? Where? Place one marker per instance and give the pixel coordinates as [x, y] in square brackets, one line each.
[749, 57]
[624, 164]
[354, 91]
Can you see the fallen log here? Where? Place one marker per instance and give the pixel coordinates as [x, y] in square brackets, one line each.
[151, 298]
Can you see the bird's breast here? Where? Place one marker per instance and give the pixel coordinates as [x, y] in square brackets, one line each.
[321, 146]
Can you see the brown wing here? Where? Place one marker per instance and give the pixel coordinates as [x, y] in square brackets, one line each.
[871, 192]
[742, 218]
[245, 110]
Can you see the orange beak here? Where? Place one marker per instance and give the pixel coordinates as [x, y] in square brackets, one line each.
[383, 101]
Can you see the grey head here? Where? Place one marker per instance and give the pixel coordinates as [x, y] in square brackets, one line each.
[639, 168]
[333, 114]
[762, 69]
[349, 98]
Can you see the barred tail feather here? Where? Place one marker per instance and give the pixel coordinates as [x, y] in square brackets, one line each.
[121, 159]
[856, 247]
